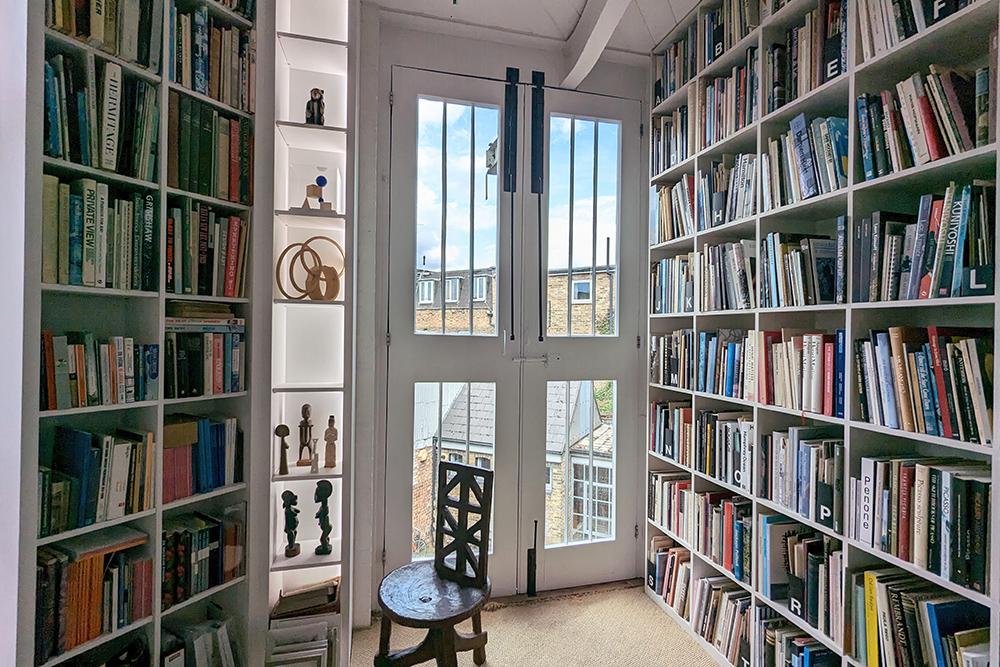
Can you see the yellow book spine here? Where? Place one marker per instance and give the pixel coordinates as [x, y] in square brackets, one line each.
[871, 617]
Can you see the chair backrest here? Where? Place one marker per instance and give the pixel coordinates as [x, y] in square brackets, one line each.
[462, 542]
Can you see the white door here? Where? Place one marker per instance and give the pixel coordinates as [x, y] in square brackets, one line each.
[468, 377]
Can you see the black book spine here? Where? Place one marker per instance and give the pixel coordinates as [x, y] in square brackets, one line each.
[196, 364]
[964, 398]
[933, 521]
[149, 271]
[959, 531]
[902, 644]
[874, 282]
[183, 376]
[138, 212]
[909, 609]
[979, 494]
[204, 273]
[879, 153]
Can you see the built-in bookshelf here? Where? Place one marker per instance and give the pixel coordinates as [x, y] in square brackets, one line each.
[740, 276]
[140, 484]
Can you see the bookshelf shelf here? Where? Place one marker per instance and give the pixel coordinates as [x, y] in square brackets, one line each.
[75, 44]
[211, 101]
[671, 316]
[733, 56]
[100, 641]
[961, 301]
[66, 167]
[313, 137]
[305, 477]
[673, 174]
[307, 559]
[94, 527]
[718, 567]
[721, 484]
[791, 514]
[789, 11]
[96, 408]
[308, 302]
[306, 387]
[800, 622]
[221, 203]
[98, 291]
[200, 399]
[201, 497]
[801, 414]
[316, 54]
[200, 597]
[681, 242]
[218, 10]
[682, 542]
[670, 462]
[932, 173]
[821, 206]
[743, 139]
[825, 96]
[202, 297]
[735, 227]
[676, 99]
[923, 437]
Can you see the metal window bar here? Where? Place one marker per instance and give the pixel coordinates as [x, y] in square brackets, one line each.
[593, 243]
[468, 422]
[572, 196]
[444, 215]
[567, 465]
[590, 417]
[472, 219]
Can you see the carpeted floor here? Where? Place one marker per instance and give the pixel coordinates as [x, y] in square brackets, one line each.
[609, 627]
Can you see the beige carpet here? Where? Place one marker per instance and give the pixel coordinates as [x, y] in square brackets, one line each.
[620, 626]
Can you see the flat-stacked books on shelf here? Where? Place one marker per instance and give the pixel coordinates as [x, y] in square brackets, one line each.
[936, 381]
[213, 58]
[927, 117]
[672, 285]
[127, 29]
[207, 250]
[200, 455]
[728, 276]
[673, 137]
[728, 190]
[803, 370]
[100, 117]
[78, 370]
[669, 501]
[729, 103]
[724, 447]
[724, 26]
[803, 269]
[808, 160]
[897, 614]
[668, 572]
[720, 614]
[672, 214]
[676, 65]
[723, 531]
[671, 359]
[802, 469]
[201, 551]
[672, 430]
[726, 363]
[205, 350]
[211, 637]
[88, 586]
[93, 238]
[89, 478]
[932, 512]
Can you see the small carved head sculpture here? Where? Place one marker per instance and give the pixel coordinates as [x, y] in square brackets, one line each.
[281, 430]
[289, 499]
[306, 411]
[316, 94]
[324, 489]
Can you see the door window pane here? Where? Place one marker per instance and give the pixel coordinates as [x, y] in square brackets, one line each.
[456, 218]
[580, 462]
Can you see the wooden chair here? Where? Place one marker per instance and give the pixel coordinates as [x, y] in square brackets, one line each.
[440, 594]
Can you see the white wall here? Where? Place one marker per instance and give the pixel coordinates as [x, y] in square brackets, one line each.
[384, 43]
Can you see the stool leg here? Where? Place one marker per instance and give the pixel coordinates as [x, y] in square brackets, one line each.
[479, 654]
[447, 655]
[383, 639]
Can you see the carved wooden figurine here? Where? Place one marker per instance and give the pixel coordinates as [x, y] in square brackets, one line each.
[289, 501]
[305, 436]
[315, 108]
[282, 431]
[330, 437]
[324, 489]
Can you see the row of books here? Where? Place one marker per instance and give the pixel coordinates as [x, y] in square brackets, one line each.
[725, 26]
[803, 370]
[128, 29]
[668, 572]
[89, 478]
[669, 501]
[813, 53]
[720, 614]
[730, 103]
[92, 238]
[672, 214]
[727, 276]
[671, 285]
[724, 447]
[200, 455]
[808, 160]
[672, 430]
[803, 269]
[212, 58]
[723, 531]
[900, 619]
[201, 551]
[676, 65]
[927, 117]
[779, 642]
[802, 470]
[78, 370]
[201, 363]
[728, 191]
[671, 361]
[726, 363]
[198, 644]
[799, 569]
[207, 250]
[88, 586]
[936, 381]
[932, 512]
[208, 152]
[884, 23]
[673, 136]
[100, 118]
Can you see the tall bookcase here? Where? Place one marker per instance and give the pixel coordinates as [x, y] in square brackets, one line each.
[141, 314]
[312, 339]
[955, 41]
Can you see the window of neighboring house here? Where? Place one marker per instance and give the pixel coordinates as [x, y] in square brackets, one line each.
[480, 288]
[591, 502]
[548, 479]
[483, 462]
[451, 289]
[581, 291]
[425, 292]
[456, 458]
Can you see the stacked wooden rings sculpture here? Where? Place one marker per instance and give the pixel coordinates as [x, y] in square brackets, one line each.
[322, 282]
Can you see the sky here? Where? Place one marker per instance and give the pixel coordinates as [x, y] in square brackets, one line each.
[462, 142]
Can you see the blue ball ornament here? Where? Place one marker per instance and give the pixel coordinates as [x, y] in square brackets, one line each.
[321, 181]
[320, 200]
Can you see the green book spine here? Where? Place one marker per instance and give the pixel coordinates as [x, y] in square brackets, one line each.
[193, 172]
[184, 149]
[205, 145]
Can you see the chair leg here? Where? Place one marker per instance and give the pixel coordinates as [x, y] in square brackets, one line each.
[447, 656]
[478, 654]
[383, 639]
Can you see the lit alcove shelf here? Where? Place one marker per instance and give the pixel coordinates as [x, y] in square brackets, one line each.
[307, 558]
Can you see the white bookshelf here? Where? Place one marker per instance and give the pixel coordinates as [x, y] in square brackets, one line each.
[141, 314]
[954, 42]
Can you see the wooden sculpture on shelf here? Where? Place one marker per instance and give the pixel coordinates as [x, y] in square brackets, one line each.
[288, 502]
[282, 431]
[330, 437]
[315, 108]
[321, 281]
[306, 441]
[324, 489]
[315, 191]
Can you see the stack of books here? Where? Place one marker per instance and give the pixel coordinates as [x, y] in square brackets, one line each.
[207, 251]
[779, 642]
[89, 478]
[87, 586]
[120, 136]
[210, 637]
[312, 601]
[724, 26]
[728, 191]
[201, 551]
[91, 238]
[672, 430]
[676, 65]
[672, 214]
[729, 103]
[932, 512]
[727, 363]
[205, 350]
[127, 30]
[78, 370]
[803, 269]
[724, 447]
[803, 370]
[808, 160]
[802, 469]
[200, 455]
[720, 613]
[936, 381]
[668, 572]
[671, 285]
[671, 359]
[728, 279]
[723, 531]
[669, 501]
[673, 137]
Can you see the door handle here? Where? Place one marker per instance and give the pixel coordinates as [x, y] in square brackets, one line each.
[510, 167]
[538, 179]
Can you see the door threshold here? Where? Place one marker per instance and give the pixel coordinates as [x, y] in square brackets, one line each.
[561, 593]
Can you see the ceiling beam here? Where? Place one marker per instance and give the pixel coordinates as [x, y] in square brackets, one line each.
[590, 37]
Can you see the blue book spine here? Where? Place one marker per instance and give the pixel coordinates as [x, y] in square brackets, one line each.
[227, 365]
[840, 384]
[152, 356]
[172, 26]
[738, 549]
[201, 50]
[935, 633]
[52, 136]
[883, 355]
[736, 371]
[702, 359]
[140, 376]
[730, 367]
[936, 400]
[773, 241]
[81, 108]
[926, 398]
[963, 226]
[202, 478]
[802, 488]
[120, 557]
[838, 140]
[237, 362]
[803, 154]
[864, 127]
[75, 240]
[710, 373]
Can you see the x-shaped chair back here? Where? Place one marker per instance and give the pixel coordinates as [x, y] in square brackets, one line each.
[462, 542]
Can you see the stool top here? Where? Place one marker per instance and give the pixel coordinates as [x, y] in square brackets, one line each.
[415, 596]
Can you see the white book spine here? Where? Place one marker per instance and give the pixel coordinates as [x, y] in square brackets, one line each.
[209, 367]
[867, 493]
[101, 241]
[110, 115]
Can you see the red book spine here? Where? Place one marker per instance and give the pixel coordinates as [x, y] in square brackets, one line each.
[906, 477]
[234, 160]
[727, 536]
[170, 254]
[188, 471]
[935, 142]
[828, 379]
[81, 375]
[113, 371]
[218, 362]
[933, 227]
[942, 391]
[234, 246]
[48, 358]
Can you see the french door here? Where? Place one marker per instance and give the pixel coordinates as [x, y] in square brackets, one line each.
[514, 297]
